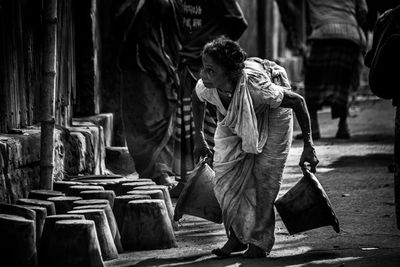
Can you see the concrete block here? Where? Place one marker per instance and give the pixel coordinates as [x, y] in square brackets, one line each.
[20, 149]
[20, 181]
[77, 151]
[94, 136]
[4, 196]
[104, 120]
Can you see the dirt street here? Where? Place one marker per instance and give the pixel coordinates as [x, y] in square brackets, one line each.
[355, 175]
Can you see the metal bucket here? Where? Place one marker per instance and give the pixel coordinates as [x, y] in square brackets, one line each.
[306, 206]
[197, 197]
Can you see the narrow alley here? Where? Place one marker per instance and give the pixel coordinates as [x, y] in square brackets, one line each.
[106, 107]
[355, 176]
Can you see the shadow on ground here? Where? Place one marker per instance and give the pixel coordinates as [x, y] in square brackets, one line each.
[368, 160]
[340, 257]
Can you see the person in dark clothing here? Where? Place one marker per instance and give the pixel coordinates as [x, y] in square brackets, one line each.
[333, 53]
[202, 21]
[148, 53]
[381, 59]
[376, 8]
[335, 62]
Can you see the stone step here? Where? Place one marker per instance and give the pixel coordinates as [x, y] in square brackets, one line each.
[105, 120]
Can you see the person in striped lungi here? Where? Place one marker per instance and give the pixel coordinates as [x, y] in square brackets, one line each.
[202, 21]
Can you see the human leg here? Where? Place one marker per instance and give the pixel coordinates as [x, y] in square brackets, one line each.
[232, 245]
[347, 69]
[314, 124]
[340, 110]
[343, 129]
[268, 170]
[148, 114]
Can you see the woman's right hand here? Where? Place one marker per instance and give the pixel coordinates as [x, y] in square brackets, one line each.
[201, 150]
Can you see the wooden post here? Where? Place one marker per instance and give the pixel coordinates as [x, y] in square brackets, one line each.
[270, 29]
[261, 28]
[276, 30]
[48, 94]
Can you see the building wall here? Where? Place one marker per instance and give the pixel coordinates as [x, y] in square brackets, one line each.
[21, 54]
[80, 145]
[87, 44]
[249, 38]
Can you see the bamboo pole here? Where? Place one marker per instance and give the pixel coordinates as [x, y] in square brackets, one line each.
[261, 28]
[270, 30]
[48, 95]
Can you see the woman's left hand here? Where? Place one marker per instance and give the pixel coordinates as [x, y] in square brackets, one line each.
[309, 156]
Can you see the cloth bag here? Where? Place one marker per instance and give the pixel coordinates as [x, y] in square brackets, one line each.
[306, 206]
[197, 197]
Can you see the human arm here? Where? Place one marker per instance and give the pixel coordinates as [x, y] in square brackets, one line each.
[362, 15]
[233, 20]
[201, 148]
[297, 103]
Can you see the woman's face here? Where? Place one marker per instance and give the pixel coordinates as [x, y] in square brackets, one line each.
[212, 74]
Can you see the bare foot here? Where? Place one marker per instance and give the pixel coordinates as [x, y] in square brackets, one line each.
[254, 252]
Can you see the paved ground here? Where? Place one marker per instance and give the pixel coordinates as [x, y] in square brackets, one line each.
[354, 174]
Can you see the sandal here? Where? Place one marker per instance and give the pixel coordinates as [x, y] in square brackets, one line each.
[220, 253]
[254, 252]
[224, 254]
[232, 245]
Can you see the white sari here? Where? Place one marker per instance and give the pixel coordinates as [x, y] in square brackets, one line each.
[252, 141]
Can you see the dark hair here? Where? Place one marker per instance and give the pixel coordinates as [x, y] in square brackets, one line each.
[228, 54]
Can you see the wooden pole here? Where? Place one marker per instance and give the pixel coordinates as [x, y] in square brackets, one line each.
[48, 95]
[261, 28]
[271, 31]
